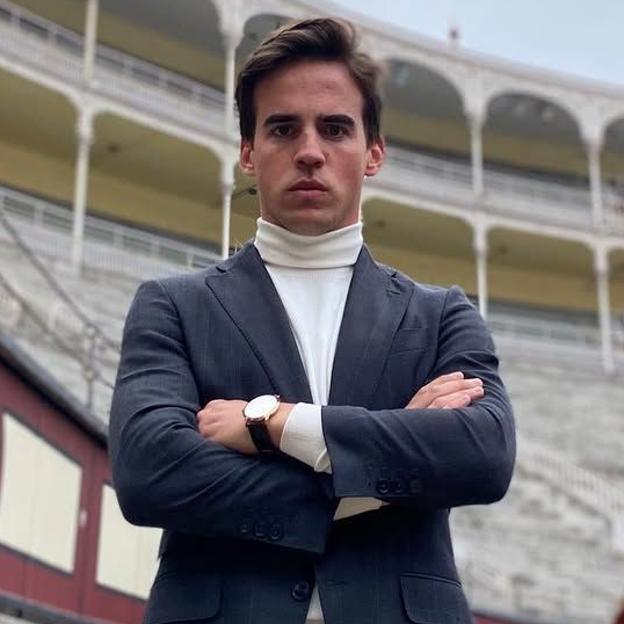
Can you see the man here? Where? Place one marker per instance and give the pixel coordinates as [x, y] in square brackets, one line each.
[300, 419]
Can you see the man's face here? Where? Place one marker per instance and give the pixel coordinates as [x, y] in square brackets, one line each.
[309, 154]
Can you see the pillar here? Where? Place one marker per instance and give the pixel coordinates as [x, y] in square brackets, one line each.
[601, 267]
[480, 245]
[90, 40]
[593, 149]
[476, 153]
[84, 139]
[227, 188]
[232, 36]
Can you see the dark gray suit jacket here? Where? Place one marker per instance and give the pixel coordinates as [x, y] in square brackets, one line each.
[246, 537]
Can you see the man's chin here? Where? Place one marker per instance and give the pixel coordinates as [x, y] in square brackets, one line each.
[310, 224]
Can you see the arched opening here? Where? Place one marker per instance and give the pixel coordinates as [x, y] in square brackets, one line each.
[427, 246]
[424, 112]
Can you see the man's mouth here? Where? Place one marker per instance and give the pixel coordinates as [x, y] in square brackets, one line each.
[308, 186]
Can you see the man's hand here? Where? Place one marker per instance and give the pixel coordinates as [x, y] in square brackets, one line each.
[447, 391]
[223, 422]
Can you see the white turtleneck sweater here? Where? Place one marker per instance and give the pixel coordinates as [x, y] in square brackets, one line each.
[312, 275]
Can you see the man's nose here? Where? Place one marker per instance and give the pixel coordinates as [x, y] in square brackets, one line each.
[309, 151]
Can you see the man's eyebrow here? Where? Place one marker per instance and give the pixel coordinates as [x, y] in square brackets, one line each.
[280, 118]
[345, 120]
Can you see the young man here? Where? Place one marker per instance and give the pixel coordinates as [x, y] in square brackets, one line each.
[300, 419]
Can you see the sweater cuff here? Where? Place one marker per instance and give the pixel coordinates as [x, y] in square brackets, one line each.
[303, 438]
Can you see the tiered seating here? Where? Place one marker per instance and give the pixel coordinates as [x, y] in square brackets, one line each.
[541, 550]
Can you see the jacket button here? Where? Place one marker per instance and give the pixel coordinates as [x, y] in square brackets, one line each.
[397, 486]
[276, 532]
[260, 529]
[383, 486]
[415, 486]
[301, 591]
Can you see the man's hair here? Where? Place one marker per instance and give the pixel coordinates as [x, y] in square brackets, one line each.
[325, 39]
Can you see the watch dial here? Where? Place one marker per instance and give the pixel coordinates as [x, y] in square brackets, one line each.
[258, 408]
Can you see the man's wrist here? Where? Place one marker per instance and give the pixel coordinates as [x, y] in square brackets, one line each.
[275, 424]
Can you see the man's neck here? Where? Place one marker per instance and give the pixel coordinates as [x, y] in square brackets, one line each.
[278, 246]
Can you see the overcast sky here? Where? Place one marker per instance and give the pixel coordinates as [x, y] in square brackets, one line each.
[582, 37]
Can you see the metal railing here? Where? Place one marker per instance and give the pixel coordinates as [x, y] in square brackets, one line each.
[575, 481]
[104, 240]
[86, 350]
[504, 192]
[167, 94]
[121, 76]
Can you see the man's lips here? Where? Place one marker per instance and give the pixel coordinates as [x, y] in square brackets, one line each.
[308, 185]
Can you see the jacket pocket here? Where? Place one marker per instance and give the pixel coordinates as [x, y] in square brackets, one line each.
[434, 600]
[409, 340]
[184, 596]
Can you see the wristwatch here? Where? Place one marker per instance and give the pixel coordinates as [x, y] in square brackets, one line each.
[256, 414]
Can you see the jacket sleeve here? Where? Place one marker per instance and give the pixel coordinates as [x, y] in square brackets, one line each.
[166, 475]
[431, 458]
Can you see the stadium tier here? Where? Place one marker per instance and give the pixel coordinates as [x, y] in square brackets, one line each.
[118, 157]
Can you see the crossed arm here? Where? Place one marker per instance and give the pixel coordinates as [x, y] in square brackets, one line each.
[220, 420]
[182, 473]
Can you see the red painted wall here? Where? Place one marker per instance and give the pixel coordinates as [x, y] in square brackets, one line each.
[23, 576]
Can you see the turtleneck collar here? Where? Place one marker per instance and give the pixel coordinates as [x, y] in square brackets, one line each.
[278, 246]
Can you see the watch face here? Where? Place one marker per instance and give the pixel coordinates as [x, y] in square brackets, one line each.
[261, 407]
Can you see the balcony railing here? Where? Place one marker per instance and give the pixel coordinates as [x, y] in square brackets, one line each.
[108, 245]
[118, 76]
[33, 41]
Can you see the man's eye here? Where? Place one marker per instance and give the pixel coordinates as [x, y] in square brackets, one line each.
[281, 131]
[335, 131]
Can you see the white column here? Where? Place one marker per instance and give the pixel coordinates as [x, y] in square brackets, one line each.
[84, 139]
[595, 180]
[232, 35]
[90, 40]
[480, 245]
[476, 152]
[227, 188]
[601, 267]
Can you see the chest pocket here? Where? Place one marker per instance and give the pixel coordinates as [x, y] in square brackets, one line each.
[414, 339]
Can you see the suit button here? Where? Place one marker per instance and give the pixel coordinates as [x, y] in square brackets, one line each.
[301, 591]
[276, 532]
[383, 486]
[245, 526]
[260, 529]
[397, 486]
[415, 486]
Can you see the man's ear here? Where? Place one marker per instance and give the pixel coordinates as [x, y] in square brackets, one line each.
[376, 156]
[246, 158]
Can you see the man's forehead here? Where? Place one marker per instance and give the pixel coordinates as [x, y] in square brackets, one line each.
[324, 85]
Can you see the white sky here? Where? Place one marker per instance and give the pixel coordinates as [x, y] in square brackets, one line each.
[582, 37]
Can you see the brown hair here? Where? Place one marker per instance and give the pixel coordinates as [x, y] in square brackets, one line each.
[319, 38]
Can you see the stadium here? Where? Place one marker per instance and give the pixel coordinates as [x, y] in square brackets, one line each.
[118, 151]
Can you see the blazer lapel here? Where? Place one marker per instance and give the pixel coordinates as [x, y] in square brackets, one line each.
[246, 291]
[375, 306]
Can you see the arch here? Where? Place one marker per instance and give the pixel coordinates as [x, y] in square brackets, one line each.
[527, 90]
[271, 8]
[427, 245]
[147, 177]
[412, 57]
[423, 108]
[531, 104]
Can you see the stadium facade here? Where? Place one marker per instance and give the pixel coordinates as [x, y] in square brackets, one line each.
[118, 158]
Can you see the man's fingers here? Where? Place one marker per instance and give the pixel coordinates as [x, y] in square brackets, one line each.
[444, 378]
[451, 387]
[457, 399]
[462, 400]
[438, 389]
